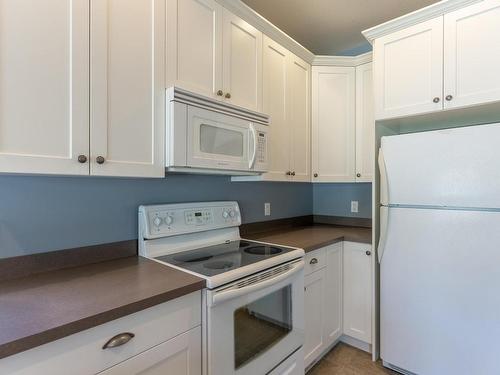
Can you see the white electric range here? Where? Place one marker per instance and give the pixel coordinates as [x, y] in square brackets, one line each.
[253, 306]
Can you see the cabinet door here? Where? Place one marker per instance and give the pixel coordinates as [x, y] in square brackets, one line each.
[333, 124]
[314, 285]
[194, 46]
[242, 62]
[472, 54]
[357, 291]
[365, 124]
[333, 294]
[180, 356]
[299, 73]
[409, 70]
[44, 69]
[275, 85]
[127, 87]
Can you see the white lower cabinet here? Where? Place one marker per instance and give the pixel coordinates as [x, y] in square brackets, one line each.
[167, 340]
[338, 298]
[358, 291]
[180, 356]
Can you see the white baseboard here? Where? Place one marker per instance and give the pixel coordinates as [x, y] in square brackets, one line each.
[356, 343]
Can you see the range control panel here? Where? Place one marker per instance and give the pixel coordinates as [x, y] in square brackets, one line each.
[180, 218]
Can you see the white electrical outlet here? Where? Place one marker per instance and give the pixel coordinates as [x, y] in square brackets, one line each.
[354, 206]
[267, 209]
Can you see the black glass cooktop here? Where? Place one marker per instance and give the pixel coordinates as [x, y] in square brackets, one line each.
[216, 259]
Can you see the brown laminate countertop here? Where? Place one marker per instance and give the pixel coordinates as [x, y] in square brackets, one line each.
[314, 236]
[40, 308]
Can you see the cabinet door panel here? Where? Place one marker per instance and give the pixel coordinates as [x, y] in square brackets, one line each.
[242, 65]
[333, 294]
[334, 124]
[365, 124]
[299, 122]
[313, 302]
[127, 87]
[180, 356]
[194, 45]
[409, 70]
[472, 54]
[44, 53]
[275, 86]
[357, 291]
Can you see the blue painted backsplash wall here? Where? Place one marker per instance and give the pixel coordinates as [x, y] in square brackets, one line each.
[39, 214]
[335, 199]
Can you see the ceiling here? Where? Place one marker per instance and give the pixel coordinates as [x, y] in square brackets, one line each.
[332, 27]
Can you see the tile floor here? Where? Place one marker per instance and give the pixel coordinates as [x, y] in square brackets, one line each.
[346, 360]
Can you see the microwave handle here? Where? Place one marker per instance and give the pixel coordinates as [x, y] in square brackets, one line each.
[225, 295]
[254, 140]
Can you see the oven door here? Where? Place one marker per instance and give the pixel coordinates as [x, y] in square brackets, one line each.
[255, 323]
[218, 141]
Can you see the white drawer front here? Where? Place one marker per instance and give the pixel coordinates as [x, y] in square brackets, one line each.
[82, 352]
[315, 260]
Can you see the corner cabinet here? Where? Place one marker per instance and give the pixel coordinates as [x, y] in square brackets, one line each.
[342, 124]
[447, 62]
[95, 72]
[221, 57]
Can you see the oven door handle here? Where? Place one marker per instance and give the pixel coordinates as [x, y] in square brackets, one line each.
[229, 293]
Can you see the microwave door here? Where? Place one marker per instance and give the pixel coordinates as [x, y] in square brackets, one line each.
[217, 141]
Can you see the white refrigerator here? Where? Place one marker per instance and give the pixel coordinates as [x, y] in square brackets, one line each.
[439, 251]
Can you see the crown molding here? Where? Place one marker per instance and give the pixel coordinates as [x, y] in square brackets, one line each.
[342, 60]
[413, 18]
[256, 20]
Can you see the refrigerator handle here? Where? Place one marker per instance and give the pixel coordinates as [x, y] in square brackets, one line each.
[384, 222]
[384, 184]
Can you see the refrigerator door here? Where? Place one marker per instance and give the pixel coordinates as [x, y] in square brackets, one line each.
[453, 167]
[440, 297]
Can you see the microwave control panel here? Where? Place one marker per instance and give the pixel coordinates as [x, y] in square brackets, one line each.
[261, 147]
[181, 218]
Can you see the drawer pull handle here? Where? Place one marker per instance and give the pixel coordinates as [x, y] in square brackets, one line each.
[118, 340]
[313, 261]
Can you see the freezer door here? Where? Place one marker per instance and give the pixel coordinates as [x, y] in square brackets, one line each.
[439, 296]
[454, 167]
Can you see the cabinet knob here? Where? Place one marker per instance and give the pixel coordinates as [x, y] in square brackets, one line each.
[368, 252]
[228, 96]
[315, 175]
[118, 340]
[449, 97]
[220, 93]
[100, 160]
[82, 159]
[313, 261]
[288, 173]
[436, 100]
[293, 173]
[358, 174]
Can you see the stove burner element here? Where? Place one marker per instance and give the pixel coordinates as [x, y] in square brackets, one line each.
[219, 265]
[244, 244]
[263, 250]
[185, 259]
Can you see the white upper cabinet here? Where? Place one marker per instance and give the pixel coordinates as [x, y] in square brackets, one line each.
[365, 123]
[213, 52]
[299, 121]
[194, 46]
[44, 90]
[333, 119]
[472, 55]
[127, 88]
[242, 62]
[409, 70]
[358, 291]
[275, 87]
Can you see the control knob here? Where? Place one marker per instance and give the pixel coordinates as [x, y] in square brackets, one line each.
[169, 220]
[232, 213]
[157, 221]
[225, 214]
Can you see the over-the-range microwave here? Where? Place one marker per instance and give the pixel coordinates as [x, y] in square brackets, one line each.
[205, 135]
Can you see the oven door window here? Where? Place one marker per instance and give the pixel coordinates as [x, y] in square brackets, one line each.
[261, 324]
[221, 141]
